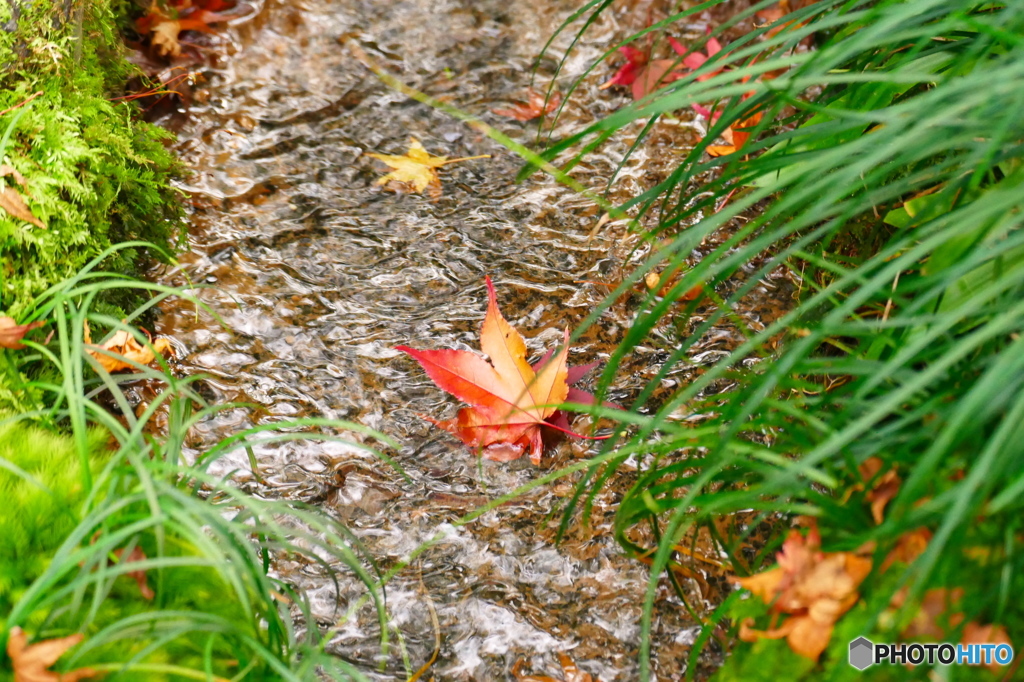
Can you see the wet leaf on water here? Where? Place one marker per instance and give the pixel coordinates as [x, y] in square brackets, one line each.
[570, 672]
[122, 349]
[534, 107]
[814, 588]
[30, 662]
[509, 399]
[12, 202]
[417, 167]
[11, 333]
[643, 76]
[163, 23]
[653, 280]
[636, 61]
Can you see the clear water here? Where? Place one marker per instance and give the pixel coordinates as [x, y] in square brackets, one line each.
[318, 273]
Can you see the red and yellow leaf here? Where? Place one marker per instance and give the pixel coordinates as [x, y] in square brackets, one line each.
[509, 400]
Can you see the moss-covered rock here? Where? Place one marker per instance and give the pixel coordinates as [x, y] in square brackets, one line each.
[95, 174]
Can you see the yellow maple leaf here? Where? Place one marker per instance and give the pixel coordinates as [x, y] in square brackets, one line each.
[417, 167]
[30, 663]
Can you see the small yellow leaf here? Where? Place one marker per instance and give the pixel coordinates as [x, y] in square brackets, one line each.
[417, 167]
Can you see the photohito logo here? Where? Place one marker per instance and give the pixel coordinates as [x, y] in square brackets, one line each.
[864, 653]
[861, 653]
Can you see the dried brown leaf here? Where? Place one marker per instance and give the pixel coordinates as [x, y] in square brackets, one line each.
[987, 634]
[11, 333]
[12, 202]
[815, 588]
[138, 576]
[126, 346]
[30, 662]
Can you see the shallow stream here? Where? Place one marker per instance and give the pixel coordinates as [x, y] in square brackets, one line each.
[318, 273]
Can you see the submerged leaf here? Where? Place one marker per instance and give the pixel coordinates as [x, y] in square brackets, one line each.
[537, 105]
[570, 672]
[417, 167]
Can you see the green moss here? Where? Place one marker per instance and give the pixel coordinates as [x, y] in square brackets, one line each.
[38, 519]
[96, 175]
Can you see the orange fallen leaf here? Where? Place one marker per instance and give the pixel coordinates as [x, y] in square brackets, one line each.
[417, 167]
[163, 27]
[570, 672]
[652, 279]
[814, 588]
[536, 105]
[987, 634]
[12, 202]
[938, 615]
[882, 490]
[122, 349]
[773, 16]
[908, 547]
[30, 662]
[509, 399]
[11, 333]
[736, 135]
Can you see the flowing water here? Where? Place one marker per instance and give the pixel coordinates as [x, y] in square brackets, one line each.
[318, 273]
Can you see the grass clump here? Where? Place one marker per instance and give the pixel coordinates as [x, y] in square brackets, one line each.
[117, 532]
[886, 166]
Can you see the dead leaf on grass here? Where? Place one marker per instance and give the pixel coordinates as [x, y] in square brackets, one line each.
[11, 333]
[30, 662]
[123, 344]
[813, 587]
[883, 488]
[12, 202]
[975, 633]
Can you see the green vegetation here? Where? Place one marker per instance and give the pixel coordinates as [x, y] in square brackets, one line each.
[80, 505]
[99, 510]
[95, 174]
[887, 171]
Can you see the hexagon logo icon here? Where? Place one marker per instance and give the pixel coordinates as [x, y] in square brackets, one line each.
[862, 653]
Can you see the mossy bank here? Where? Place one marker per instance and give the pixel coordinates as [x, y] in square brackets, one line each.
[95, 174]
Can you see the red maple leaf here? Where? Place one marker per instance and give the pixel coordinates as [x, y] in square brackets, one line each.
[643, 76]
[510, 400]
